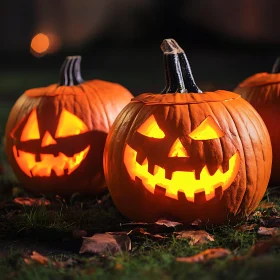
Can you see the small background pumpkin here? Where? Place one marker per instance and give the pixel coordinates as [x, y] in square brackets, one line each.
[262, 91]
[55, 135]
[186, 154]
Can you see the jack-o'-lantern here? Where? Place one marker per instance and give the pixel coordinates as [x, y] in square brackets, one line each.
[185, 154]
[55, 136]
[262, 91]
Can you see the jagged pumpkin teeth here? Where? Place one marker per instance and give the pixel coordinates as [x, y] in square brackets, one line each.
[186, 154]
[55, 135]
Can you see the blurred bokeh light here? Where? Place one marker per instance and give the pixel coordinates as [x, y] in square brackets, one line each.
[40, 44]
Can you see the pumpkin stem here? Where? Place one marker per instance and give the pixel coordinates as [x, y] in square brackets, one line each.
[178, 72]
[70, 72]
[276, 66]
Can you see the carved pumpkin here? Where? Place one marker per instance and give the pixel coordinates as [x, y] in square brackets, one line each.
[55, 135]
[186, 154]
[262, 91]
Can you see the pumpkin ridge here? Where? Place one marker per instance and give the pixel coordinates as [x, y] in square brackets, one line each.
[260, 79]
[103, 105]
[264, 132]
[223, 145]
[243, 156]
[255, 192]
[255, 162]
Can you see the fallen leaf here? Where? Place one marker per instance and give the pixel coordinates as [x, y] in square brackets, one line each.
[26, 201]
[36, 258]
[159, 226]
[101, 243]
[139, 232]
[243, 228]
[268, 231]
[263, 247]
[168, 223]
[271, 221]
[209, 254]
[196, 237]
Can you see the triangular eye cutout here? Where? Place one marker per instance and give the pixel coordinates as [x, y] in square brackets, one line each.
[31, 128]
[69, 125]
[178, 150]
[151, 129]
[48, 140]
[207, 130]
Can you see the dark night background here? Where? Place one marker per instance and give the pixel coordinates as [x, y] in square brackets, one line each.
[119, 40]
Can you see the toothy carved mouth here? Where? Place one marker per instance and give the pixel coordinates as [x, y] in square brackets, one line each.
[181, 181]
[60, 165]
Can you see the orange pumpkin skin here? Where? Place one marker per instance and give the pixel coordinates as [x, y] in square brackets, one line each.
[262, 91]
[147, 197]
[91, 104]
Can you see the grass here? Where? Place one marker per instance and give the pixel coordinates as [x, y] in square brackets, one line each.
[50, 231]
[148, 261]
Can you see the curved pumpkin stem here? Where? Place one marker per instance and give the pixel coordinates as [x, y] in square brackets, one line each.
[276, 66]
[70, 72]
[178, 72]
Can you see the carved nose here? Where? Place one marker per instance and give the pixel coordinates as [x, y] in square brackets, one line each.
[48, 140]
[178, 150]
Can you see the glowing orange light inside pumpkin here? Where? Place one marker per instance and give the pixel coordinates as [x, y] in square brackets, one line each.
[183, 181]
[61, 164]
[178, 150]
[31, 129]
[68, 125]
[40, 43]
[47, 140]
[208, 129]
[151, 129]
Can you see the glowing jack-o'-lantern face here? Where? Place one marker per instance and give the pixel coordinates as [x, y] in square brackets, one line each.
[179, 172]
[184, 154]
[48, 158]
